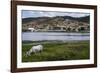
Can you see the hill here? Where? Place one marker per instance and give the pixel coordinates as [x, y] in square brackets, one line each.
[58, 23]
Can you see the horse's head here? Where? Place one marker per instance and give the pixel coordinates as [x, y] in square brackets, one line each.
[28, 54]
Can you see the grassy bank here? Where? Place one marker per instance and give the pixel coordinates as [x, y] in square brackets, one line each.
[58, 51]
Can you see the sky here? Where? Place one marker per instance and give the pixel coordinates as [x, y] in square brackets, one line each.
[33, 13]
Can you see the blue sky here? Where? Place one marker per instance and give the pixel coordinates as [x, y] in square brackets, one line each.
[33, 13]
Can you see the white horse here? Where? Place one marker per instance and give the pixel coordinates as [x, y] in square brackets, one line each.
[34, 49]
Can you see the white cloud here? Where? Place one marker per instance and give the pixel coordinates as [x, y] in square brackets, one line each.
[26, 13]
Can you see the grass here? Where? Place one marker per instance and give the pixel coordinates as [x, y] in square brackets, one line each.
[58, 51]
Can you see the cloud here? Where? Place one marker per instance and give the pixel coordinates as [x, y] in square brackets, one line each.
[30, 13]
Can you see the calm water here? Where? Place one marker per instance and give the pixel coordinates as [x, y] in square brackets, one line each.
[40, 36]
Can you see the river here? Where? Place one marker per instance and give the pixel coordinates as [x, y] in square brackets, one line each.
[60, 36]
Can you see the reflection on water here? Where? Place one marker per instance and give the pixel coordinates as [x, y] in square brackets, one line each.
[40, 36]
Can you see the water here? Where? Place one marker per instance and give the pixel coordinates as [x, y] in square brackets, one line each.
[60, 36]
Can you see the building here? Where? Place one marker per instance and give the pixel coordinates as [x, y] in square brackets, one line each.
[31, 29]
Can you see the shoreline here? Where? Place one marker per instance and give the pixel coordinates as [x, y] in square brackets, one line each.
[54, 41]
[59, 31]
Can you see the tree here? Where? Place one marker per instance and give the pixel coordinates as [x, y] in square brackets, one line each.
[82, 28]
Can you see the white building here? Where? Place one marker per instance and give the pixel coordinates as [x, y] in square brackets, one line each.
[31, 29]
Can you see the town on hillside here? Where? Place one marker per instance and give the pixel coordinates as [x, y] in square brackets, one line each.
[58, 24]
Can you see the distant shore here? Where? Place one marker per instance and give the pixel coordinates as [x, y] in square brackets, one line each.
[61, 31]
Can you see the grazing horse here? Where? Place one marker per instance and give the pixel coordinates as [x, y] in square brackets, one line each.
[34, 49]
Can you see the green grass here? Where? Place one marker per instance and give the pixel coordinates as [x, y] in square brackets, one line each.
[58, 51]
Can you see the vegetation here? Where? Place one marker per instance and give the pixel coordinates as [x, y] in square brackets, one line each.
[56, 51]
[57, 23]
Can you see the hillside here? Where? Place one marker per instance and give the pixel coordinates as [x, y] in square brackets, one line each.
[58, 23]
